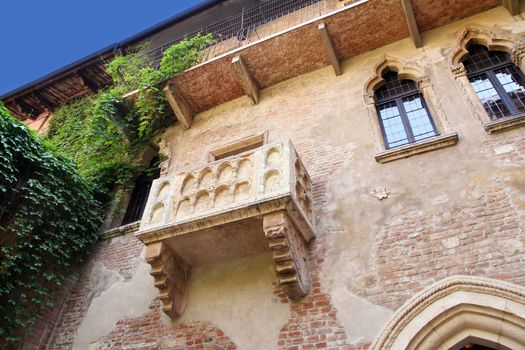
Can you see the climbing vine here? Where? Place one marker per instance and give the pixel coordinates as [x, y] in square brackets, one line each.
[106, 132]
[53, 190]
[48, 217]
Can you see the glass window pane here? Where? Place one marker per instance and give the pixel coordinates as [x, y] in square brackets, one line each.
[418, 118]
[395, 133]
[490, 99]
[513, 85]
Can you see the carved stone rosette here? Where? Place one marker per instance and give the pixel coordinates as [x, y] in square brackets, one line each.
[171, 275]
[290, 254]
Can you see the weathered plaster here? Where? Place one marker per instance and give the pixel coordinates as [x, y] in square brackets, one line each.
[121, 299]
[237, 297]
[352, 310]
[327, 119]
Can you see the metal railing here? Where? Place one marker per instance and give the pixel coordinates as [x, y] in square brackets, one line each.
[252, 24]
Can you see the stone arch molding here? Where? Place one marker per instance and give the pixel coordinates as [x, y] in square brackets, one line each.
[494, 39]
[455, 310]
[405, 70]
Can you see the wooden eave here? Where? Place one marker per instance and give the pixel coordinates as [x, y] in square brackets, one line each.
[355, 29]
[54, 92]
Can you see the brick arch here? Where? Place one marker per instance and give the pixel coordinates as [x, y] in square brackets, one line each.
[457, 309]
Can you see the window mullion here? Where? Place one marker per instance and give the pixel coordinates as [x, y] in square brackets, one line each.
[501, 92]
[404, 119]
[382, 125]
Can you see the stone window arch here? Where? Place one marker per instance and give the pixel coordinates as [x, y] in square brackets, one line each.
[405, 71]
[455, 311]
[498, 43]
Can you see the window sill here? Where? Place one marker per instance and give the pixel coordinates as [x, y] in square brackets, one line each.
[504, 123]
[432, 144]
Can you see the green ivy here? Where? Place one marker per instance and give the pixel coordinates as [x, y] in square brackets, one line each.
[105, 132]
[53, 191]
[134, 73]
[48, 217]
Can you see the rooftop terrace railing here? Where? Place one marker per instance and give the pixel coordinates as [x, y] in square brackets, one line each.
[252, 24]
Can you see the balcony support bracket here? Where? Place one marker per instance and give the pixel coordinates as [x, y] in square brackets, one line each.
[180, 107]
[246, 79]
[171, 275]
[290, 254]
[411, 23]
[329, 47]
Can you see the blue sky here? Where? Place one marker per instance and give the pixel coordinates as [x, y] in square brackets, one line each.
[40, 36]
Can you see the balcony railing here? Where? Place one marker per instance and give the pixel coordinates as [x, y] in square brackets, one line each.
[252, 24]
[268, 172]
[256, 201]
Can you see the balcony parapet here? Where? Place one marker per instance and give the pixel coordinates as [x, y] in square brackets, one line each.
[248, 203]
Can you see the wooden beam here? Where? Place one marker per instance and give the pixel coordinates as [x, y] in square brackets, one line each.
[248, 83]
[43, 100]
[513, 6]
[25, 107]
[87, 82]
[329, 47]
[411, 22]
[12, 108]
[179, 105]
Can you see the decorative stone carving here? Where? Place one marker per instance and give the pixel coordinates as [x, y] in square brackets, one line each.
[225, 210]
[165, 150]
[412, 71]
[171, 275]
[405, 70]
[290, 254]
[453, 309]
[493, 39]
[380, 192]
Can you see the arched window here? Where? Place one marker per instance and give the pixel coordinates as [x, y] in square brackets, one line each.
[496, 80]
[403, 112]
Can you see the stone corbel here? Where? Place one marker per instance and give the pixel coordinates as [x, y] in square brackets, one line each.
[459, 70]
[290, 254]
[171, 275]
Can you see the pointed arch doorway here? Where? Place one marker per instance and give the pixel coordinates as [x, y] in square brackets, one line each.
[459, 313]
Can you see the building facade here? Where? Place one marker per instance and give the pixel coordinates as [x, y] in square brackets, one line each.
[352, 180]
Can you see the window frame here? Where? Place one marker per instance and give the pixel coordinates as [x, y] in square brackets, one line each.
[496, 84]
[398, 100]
[494, 40]
[238, 146]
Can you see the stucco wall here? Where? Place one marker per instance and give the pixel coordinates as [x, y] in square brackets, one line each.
[457, 210]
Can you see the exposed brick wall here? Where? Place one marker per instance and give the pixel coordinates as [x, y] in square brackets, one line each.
[117, 255]
[148, 332]
[38, 336]
[508, 150]
[313, 321]
[481, 238]
[145, 332]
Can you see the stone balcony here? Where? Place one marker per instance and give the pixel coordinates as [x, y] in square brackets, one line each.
[248, 203]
